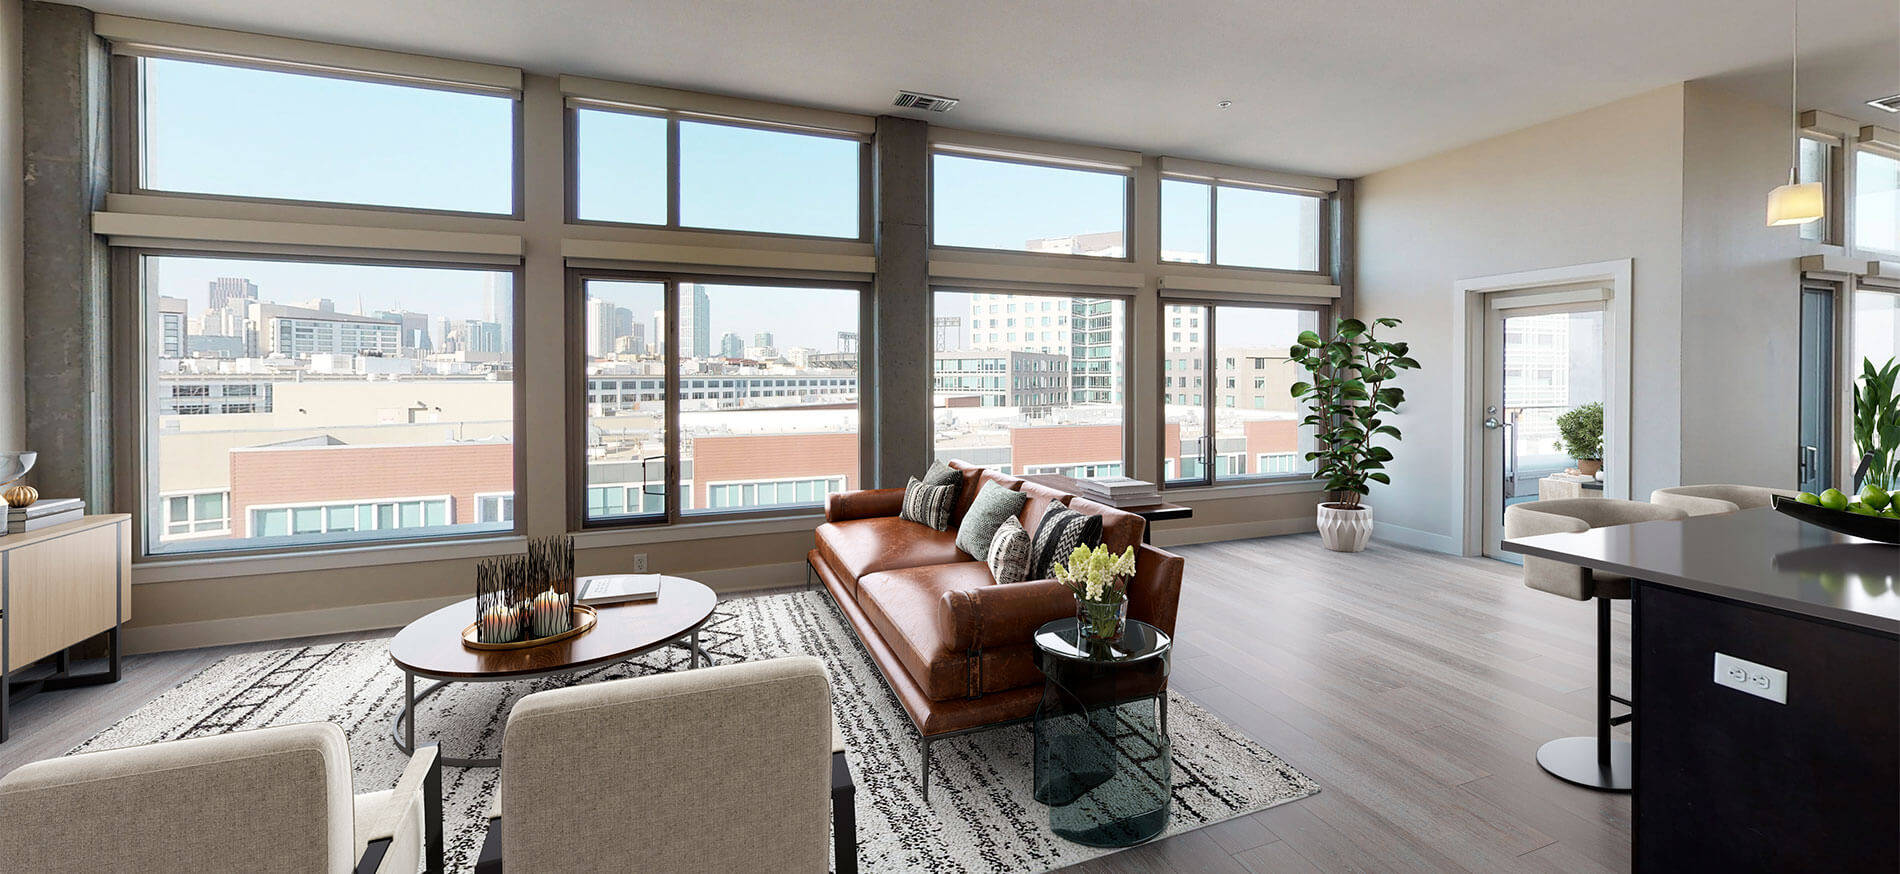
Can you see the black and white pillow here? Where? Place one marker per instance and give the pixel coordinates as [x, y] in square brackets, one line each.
[1061, 531]
[941, 474]
[1009, 552]
[992, 505]
[928, 505]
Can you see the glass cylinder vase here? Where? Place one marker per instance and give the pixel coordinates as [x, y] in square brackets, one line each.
[1101, 620]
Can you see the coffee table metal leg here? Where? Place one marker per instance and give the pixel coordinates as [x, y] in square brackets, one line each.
[409, 710]
[695, 648]
[403, 730]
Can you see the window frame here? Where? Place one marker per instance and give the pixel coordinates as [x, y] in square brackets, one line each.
[1127, 299]
[1210, 409]
[930, 201]
[134, 412]
[1323, 229]
[571, 172]
[1850, 183]
[127, 145]
[577, 393]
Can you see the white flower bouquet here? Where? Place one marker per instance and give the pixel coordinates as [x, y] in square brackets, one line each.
[1099, 579]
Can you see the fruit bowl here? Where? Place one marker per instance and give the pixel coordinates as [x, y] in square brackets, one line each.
[1877, 528]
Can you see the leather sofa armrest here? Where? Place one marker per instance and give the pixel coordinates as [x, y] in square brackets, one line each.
[1002, 615]
[863, 504]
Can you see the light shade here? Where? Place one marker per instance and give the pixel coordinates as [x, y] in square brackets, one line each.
[1795, 204]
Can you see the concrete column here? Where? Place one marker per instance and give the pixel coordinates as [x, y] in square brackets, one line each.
[12, 223]
[65, 303]
[898, 360]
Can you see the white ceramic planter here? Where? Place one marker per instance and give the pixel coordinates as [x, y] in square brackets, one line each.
[1343, 530]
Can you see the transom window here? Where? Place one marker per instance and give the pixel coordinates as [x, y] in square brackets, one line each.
[1239, 226]
[1016, 206]
[247, 131]
[731, 176]
[1876, 202]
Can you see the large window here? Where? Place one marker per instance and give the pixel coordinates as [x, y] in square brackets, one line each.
[1876, 329]
[1239, 226]
[241, 131]
[761, 379]
[731, 176]
[1876, 202]
[1030, 383]
[985, 203]
[1228, 412]
[326, 401]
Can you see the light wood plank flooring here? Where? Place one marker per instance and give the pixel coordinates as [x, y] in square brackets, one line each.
[1415, 687]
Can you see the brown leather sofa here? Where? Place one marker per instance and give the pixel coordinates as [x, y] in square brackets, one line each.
[952, 644]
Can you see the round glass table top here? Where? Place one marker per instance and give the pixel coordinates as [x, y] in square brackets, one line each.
[1063, 639]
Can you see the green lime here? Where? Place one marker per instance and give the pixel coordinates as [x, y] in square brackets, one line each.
[1808, 498]
[1875, 497]
[1862, 509]
[1833, 499]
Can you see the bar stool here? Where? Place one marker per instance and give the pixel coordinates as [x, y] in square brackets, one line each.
[1716, 499]
[1594, 762]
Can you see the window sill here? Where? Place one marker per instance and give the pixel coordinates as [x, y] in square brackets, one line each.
[1243, 490]
[184, 569]
[707, 530]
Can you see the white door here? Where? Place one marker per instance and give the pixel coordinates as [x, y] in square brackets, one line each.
[1546, 353]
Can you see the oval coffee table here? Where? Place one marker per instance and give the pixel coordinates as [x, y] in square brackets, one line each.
[431, 648]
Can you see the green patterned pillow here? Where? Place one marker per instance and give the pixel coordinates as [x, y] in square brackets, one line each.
[1009, 553]
[992, 505]
[941, 474]
[928, 505]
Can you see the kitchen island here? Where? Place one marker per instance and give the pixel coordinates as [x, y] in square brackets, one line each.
[1767, 686]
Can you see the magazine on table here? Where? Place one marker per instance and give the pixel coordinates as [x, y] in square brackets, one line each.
[617, 589]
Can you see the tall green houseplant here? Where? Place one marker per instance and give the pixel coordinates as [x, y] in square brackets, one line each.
[1347, 400]
[1877, 421]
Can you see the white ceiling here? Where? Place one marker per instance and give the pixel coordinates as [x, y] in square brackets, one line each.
[1329, 87]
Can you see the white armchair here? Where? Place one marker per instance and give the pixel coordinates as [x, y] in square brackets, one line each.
[1715, 499]
[269, 801]
[729, 768]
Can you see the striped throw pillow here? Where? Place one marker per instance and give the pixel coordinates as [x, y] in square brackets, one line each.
[1009, 553]
[1061, 531]
[928, 505]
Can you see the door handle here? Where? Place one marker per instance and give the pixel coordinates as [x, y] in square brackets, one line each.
[1491, 422]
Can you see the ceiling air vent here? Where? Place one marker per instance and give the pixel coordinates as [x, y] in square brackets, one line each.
[925, 102]
[1890, 104]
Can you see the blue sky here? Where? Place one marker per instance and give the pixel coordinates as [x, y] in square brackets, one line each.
[231, 130]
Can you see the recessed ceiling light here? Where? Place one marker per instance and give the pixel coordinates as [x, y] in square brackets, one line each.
[1890, 104]
[1225, 104]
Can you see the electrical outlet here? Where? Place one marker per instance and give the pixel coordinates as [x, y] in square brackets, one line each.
[639, 562]
[1743, 675]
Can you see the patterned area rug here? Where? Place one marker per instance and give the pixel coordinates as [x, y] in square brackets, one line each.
[981, 817]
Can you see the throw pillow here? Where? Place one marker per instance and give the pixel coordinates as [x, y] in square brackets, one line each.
[1009, 553]
[928, 505]
[992, 505]
[941, 474]
[1061, 531]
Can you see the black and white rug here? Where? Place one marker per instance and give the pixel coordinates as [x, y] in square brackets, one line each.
[981, 817]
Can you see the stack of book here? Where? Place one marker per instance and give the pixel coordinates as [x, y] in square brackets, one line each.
[1119, 491]
[44, 513]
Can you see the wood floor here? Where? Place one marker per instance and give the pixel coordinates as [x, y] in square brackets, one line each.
[1415, 687]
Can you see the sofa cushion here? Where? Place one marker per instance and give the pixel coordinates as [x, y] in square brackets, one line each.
[966, 493]
[1061, 531]
[906, 608]
[1009, 553]
[865, 546]
[928, 505]
[993, 504]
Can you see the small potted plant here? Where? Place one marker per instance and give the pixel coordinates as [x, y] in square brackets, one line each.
[1346, 404]
[1580, 433]
[1099, 579]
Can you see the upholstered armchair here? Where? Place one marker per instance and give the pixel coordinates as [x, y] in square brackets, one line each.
[1715, 499]
[269, 801]
[729, 768]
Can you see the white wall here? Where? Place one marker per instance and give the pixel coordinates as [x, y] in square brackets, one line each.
[12, 252]
[1600, 185]
[1741, 302]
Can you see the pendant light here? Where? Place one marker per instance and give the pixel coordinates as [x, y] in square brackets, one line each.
[1795, 203]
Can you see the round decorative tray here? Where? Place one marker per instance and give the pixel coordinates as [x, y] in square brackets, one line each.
[584, 618]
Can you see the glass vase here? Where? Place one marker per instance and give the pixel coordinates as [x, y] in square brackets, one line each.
[1101, 620]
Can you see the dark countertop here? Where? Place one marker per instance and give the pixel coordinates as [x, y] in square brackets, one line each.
[1758, 557]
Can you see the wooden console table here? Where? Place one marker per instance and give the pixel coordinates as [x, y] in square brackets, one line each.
[60, 586]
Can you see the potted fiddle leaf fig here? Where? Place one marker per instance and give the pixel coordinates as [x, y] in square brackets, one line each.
[1347, 402]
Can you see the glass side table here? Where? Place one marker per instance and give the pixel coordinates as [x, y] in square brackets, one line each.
[1102, 752]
